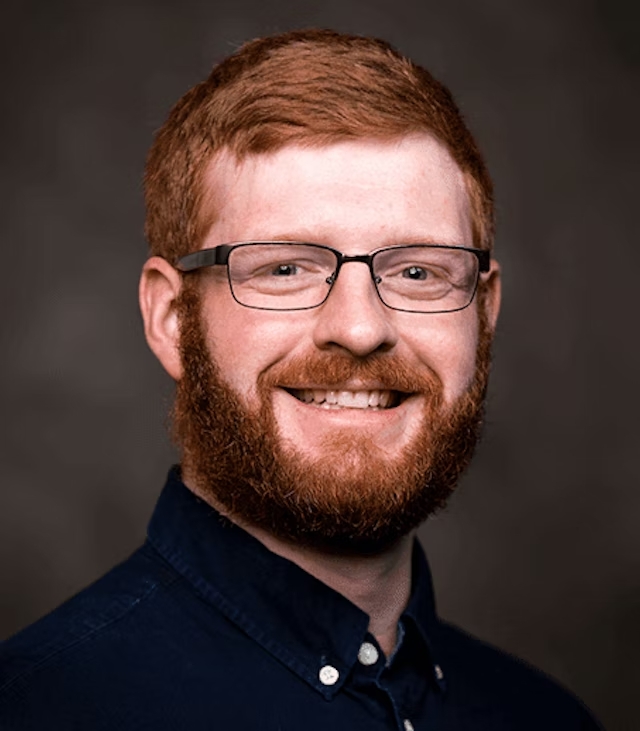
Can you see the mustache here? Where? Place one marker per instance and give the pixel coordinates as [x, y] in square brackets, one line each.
[336, 369]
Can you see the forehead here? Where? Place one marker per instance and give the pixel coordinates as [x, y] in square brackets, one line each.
[360, 193]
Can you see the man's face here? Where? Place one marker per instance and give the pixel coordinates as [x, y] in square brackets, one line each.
[400, 381]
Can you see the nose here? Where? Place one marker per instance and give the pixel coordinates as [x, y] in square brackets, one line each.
[353, 318]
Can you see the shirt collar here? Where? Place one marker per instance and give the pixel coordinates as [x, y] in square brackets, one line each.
[294, 616]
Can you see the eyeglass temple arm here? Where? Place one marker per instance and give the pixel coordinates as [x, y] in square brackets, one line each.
[484, 259]
[205, 258]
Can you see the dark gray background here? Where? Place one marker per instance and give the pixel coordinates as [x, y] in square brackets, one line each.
[539, 551]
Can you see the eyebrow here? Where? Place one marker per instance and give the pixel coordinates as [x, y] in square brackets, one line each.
[331, 241]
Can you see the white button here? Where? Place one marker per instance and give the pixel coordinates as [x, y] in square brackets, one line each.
[329, 675]
[408, 726]
[438, 671]
[368, 655]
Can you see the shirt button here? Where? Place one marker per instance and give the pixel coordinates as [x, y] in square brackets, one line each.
[408, 726]
[328, 675]
[368, 655]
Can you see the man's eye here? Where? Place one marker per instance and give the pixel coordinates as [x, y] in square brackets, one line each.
[285, 270]
[417, 273]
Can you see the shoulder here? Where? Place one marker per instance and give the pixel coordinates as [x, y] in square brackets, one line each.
[80, 640]
[486, 680]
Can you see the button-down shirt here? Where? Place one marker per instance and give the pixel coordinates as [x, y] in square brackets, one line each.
[205, 628]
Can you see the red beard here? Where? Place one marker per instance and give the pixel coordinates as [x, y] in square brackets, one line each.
[354, 500]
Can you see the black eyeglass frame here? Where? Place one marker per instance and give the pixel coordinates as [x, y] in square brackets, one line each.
[219, 256]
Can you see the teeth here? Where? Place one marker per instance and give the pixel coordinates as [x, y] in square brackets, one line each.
[346, 399]
[318, 396]
[354, 399]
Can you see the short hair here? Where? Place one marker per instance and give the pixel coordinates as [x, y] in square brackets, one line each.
[308, 87]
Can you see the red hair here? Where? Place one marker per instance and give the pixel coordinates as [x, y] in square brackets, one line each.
[313, 87]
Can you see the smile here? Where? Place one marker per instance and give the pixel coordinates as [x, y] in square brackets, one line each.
[327, 399]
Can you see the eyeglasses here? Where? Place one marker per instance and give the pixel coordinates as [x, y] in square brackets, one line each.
[283, 275]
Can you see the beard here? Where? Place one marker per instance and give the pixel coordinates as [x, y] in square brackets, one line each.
[354, 500]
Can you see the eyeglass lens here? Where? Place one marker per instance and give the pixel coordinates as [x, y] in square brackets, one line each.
[298, 276]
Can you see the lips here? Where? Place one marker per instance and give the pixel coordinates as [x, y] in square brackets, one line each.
[375, 399]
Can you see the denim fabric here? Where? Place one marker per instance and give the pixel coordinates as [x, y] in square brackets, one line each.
[204, 628]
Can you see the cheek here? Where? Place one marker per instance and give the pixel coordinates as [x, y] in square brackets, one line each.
[449, 348]
[244, 342]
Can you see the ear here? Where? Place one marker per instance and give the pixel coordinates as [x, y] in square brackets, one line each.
[160, 285]
[492, 294]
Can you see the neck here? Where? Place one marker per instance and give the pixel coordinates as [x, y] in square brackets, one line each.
[380, 584]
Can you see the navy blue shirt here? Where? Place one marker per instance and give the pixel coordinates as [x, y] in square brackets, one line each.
[204, 628]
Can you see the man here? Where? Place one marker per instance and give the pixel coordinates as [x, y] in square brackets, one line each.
[321, 289]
